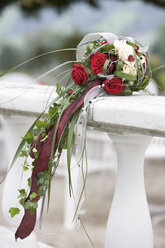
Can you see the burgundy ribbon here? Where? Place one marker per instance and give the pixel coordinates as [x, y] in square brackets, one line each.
[44, 149]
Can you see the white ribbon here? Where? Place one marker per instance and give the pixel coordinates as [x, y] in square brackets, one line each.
[80, 139]
[93, 37]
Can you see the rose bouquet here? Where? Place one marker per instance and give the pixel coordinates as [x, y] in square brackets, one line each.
[105, 66]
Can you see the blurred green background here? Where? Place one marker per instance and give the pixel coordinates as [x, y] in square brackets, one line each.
[31, 27]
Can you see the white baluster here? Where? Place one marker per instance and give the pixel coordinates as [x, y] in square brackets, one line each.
[70, 205]
[17, 128]
[129, 224]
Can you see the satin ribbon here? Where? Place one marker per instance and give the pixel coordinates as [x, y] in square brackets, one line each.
[28, 222]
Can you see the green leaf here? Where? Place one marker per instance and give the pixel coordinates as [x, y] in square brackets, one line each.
[40, 123]
[120, 65]
[107, 48]
[69, 145]
[125, 76]
[88, 50]
[58, 88]
[23, 153]
[14, 211]
[63, 141]
[131, 44]
[33, 196]
[31, 206]
[22, 201]
[29, 181]
[22, 192]
[41, 191]
[105, 66]
[28, 137]
[25, 168]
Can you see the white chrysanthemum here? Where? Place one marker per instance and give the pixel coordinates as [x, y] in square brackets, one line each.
[124, 51]
[129, 70]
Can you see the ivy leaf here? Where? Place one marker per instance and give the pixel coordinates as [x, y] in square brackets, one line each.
[23, 153]
[22, 192]
[41, 191]
[40, 123]
[14, 211]
[22, 201]
[31, 206]
[25, 168]
[33, 196]
[29, 138]
[29, 181]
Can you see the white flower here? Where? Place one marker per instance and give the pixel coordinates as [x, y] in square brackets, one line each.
[129, 70]
[124, 51]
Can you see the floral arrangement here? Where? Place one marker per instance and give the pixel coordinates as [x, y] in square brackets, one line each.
[104, 67]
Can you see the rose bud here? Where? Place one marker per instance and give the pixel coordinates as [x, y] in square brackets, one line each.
[79, 74]
[97, 61]
[114, 86]
[70, 91]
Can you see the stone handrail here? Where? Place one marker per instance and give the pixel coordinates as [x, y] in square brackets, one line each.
[136, 114]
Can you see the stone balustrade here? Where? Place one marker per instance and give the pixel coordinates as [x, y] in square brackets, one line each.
[131, 122]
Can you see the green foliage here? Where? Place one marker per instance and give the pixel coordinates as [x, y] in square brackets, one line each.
[14, 211]
[31, 206]
[33, 196]
[120, 65]
[29, 182]
[108, 48]
[42, 181]
[105, 67]
[41, 124]
[29, 138]
[70, 141]
[23, 153]
[125, 76]
[58, 89]
[22, 193]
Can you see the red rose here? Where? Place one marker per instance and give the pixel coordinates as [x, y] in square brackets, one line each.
[97, 61]
[79, 74]
[114, 86]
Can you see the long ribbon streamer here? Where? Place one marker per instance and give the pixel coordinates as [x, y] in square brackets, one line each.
[28, 222]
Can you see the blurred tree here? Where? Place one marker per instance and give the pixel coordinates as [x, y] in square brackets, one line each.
[31, 6]
[158, 58]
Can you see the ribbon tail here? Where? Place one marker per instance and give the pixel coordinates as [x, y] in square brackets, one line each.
[28, 222]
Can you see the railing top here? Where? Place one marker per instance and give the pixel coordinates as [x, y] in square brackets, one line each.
[136, 114]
